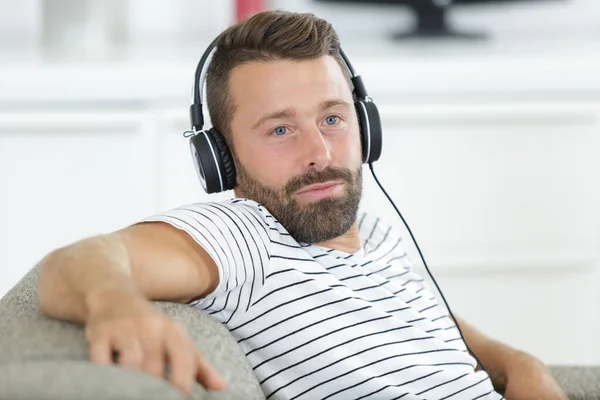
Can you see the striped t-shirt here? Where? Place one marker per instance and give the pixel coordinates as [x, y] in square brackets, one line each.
[319, 323]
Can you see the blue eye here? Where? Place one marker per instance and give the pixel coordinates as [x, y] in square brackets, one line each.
[331, 120]
[280, 131]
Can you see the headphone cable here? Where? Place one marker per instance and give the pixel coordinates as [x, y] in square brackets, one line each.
[427, 268]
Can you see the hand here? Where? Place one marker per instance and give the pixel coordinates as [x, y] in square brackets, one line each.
[145, 339]
[529, 379]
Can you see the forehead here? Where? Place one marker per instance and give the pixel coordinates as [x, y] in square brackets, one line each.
[259, 86]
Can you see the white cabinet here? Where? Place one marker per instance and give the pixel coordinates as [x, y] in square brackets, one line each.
[66, 175]
[496, 182]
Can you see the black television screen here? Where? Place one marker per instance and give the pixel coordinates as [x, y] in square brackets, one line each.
[431, 16]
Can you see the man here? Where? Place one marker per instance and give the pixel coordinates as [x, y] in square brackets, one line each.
[320, 298]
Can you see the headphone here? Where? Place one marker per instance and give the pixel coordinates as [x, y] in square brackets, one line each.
[212, 157]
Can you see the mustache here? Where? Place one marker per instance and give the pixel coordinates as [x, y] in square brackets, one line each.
[313, 176]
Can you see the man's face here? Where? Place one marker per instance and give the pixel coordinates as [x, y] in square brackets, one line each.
[297, 146]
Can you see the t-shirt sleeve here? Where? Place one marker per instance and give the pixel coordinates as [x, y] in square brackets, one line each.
[236, 238]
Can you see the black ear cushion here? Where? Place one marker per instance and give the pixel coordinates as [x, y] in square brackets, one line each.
[226, 160]
[376, 131]
[204, 162]
[370, 130]
[361, 113]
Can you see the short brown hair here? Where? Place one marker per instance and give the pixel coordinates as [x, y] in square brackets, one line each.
[265, 36]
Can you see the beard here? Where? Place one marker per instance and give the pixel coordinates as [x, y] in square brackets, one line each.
[315, 221]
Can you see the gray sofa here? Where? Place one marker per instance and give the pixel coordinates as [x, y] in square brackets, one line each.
[41, 358]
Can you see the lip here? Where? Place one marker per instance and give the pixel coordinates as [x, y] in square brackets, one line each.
[321, 190]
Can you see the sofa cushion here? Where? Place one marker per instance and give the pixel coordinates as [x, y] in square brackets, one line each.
[79, 380]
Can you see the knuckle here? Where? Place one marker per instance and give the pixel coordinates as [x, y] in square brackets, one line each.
[182, 363]
[178, 332]
[177, 328]
[93, 329]
[153, 323]
[90, 334]
[131, 357]
[154, 367]
[96, 338]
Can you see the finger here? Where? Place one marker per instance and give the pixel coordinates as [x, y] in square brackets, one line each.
[207, 375]
[181, 360]
[130, 352]
[154, 355]
[101, 351]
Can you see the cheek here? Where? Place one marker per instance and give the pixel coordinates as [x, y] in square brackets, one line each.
[357, 148]
[267, 165]
[277, 167]
[353, 147]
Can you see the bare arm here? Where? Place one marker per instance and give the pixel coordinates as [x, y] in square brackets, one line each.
[106, 282]
[151, 260]
[493, 354]
[515, 373]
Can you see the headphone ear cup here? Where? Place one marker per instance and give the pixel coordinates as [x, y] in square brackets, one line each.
[226, 159]
[371, 132]
[212, 160]
[204, 162]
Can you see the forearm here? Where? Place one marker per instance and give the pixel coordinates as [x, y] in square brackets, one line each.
[494, 355]
[72, 278]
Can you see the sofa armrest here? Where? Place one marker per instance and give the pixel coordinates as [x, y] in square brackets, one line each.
[57, 355]
[580, 382]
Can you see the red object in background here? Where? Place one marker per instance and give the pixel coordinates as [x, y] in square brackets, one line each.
[244, 8]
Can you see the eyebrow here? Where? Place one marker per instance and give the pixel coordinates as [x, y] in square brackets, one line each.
[290, 113]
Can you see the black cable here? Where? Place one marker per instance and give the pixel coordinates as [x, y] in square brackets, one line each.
[427, 268]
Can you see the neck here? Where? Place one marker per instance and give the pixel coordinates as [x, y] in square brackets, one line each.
[349, 242]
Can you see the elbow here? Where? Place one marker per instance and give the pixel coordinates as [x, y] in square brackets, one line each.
[48, 282]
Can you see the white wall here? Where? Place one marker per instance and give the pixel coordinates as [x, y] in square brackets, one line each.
[183, 19]
[19, 21]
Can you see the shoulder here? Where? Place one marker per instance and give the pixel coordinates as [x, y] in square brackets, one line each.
[225, 212]
[222, 222]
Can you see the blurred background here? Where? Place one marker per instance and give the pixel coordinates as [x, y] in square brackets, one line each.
[491, 114]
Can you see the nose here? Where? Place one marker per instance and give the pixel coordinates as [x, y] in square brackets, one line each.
[315, 149]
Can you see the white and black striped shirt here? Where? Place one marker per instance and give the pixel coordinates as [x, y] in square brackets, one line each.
[318, 323]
